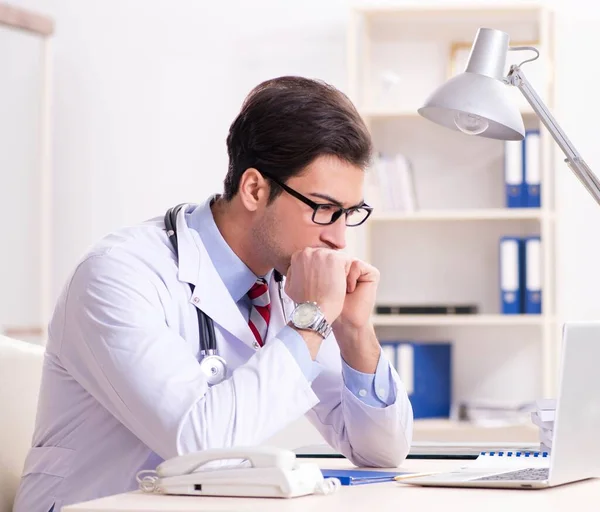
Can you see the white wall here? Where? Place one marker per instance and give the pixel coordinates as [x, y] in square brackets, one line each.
[20, 87]
[145, 92]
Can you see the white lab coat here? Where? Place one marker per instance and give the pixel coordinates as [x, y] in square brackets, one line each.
[122, 389]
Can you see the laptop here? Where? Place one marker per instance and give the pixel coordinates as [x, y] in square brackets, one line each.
[575, 452]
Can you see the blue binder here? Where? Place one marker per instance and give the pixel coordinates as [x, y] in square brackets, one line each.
[358, 477]
[532, 169]
[533, 275]
[514, 175]
[426, 371]
[511, 261]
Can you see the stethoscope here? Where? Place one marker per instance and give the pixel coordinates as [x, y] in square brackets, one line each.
[211, 364]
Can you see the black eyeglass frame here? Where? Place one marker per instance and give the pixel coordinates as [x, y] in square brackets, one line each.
[316, 206]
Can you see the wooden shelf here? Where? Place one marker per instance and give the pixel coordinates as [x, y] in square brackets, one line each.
[463, 215]
[426, 11]
[458, 320]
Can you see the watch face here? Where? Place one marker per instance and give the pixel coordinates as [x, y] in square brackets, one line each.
[304, 315]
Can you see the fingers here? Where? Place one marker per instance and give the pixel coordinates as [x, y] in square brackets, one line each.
[318, 275]
[360, 272]
[353, 276]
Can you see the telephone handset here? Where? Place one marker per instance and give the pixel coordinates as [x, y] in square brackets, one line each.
[273, 472]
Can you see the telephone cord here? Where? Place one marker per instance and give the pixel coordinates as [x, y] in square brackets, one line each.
[328, 486]
[147, 480]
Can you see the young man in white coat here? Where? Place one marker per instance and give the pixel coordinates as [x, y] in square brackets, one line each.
[123, 386]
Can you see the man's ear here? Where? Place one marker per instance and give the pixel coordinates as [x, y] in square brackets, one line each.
[254, 189]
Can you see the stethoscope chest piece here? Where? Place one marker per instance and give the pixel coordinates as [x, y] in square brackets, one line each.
[214, 368]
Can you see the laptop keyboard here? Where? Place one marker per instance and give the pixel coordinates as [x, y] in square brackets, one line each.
[521, 474]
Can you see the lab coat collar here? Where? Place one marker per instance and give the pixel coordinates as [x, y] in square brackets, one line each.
[188, 261]
[210, 293]
[236, 275]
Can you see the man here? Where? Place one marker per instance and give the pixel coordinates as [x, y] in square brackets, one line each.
[122, 387]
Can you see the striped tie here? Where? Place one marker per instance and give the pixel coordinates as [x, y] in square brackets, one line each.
[260, 313]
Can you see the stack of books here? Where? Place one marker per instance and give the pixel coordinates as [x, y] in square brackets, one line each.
[543, 418]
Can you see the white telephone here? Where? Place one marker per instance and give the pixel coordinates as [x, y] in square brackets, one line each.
[273, 472]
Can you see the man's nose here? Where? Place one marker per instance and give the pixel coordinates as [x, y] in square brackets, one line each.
[334, 235]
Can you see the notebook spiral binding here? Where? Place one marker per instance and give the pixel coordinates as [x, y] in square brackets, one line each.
[516, 454]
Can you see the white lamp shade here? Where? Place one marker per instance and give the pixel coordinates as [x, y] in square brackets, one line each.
[480, 95]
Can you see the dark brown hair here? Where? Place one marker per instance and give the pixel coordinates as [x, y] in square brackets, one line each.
[286, 123]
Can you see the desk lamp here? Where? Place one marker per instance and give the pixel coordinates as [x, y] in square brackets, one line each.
[475, 102]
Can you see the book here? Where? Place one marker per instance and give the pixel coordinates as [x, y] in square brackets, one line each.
[395, 178]
[433, 309]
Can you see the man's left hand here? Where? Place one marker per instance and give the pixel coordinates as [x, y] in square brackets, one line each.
[353, 329]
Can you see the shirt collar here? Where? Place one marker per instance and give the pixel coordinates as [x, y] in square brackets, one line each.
[236, 276]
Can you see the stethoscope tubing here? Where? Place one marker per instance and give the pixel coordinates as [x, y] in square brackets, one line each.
[213, 364]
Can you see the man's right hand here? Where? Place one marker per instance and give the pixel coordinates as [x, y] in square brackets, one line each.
[319, 275]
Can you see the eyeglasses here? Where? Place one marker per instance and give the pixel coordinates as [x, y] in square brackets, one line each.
[325, 214]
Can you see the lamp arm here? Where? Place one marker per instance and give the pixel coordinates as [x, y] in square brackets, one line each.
[573, 159]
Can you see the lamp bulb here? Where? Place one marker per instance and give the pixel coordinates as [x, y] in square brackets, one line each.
[470, 124]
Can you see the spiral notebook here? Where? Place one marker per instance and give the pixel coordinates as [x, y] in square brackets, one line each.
[511, 459]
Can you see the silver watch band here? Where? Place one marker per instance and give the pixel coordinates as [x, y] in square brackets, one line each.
[323, 328]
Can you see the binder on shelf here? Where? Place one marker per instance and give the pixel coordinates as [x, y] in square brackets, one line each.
[511, 275]
[425, 369]
[514, 174]
[532, 171]
[533, 275]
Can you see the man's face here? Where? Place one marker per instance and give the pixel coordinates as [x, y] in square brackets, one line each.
[287, 226]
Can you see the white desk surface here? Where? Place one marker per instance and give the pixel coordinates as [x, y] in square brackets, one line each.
[379, 497]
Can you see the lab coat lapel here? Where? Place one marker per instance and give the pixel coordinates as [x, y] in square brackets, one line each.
[210, 293]
[279, 316]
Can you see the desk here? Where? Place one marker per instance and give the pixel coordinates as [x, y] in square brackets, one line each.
[381, 497]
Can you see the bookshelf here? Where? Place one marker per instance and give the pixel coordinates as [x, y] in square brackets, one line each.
[446, 250]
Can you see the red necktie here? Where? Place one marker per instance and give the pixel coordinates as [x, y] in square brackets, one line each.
[260, 312]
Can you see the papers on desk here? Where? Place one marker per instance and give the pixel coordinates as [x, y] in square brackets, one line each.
[494, 413]
[543, 418]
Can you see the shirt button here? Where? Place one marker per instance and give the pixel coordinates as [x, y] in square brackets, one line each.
[196, 300]
[362, 392]
[255, 345]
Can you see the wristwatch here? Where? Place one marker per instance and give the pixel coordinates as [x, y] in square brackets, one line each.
[308, 316]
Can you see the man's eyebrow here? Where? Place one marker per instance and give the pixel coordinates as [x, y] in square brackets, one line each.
[333, 200]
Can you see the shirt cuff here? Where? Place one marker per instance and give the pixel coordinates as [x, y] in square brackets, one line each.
[295, 343]
[374, 389]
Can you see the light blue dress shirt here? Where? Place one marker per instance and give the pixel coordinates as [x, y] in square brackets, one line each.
[376, 390]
